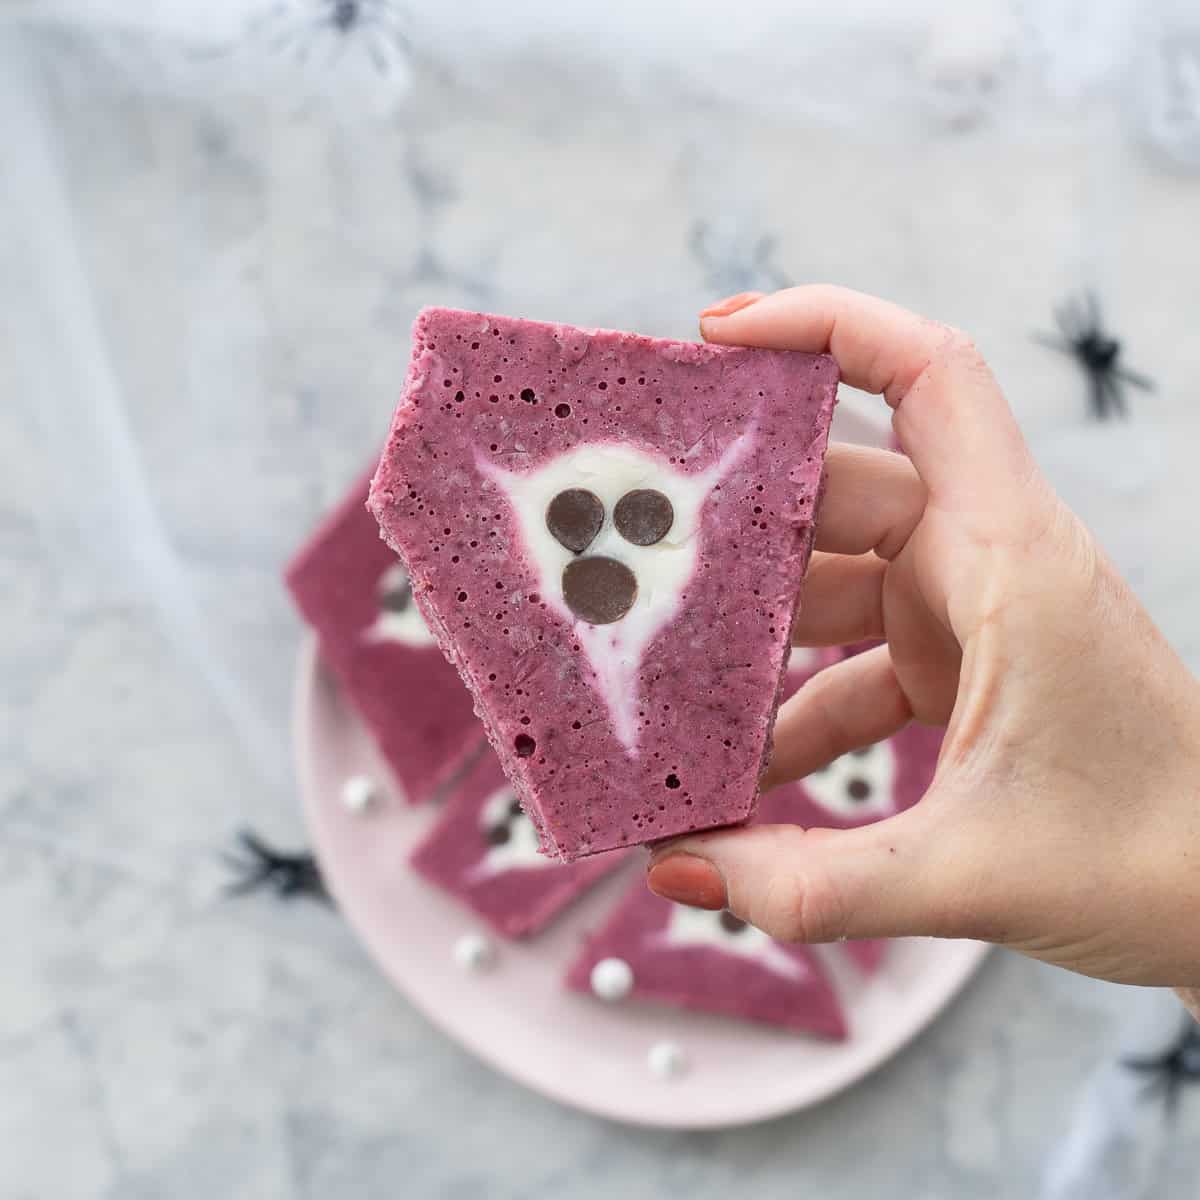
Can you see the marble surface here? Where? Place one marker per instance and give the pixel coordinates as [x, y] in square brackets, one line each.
[250, 265]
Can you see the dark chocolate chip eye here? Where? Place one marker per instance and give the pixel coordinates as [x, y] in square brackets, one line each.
[858, 789]
[395, 590]
[598, 590]
[730, 923]
[574, 518]
[496, 835]
[514, 808]
[643, 517]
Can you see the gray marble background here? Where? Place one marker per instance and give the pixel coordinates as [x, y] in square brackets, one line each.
[206, 301]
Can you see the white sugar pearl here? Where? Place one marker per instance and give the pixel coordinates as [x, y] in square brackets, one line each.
[612, 979]
[474, 952]
[667, 1060]
[359, 793]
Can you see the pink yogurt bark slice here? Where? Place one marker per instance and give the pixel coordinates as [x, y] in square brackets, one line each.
[484, 850]
[860, 787]
[355, 593]
[711, 961]
[856, 789]
[608, 534]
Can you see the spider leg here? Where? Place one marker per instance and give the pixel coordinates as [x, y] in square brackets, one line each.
[1116, 397]
[1064, 318]
[377, 55]
[1153, 1088]
[397, 37]
[1076, 319]
[1174, 1085]
[250, 881]
[1136, 378]
[1147, 1065]
[257, 847]
[236, 862]
[1055, 343]
[1098, 397]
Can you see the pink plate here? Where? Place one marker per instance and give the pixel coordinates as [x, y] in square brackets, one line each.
[517, 1016]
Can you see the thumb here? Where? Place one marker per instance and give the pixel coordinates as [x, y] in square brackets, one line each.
[889, 879]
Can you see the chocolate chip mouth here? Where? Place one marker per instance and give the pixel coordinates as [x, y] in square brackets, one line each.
[598, 590]
[730, 923]
[643, 516]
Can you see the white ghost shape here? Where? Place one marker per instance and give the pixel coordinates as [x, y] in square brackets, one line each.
[839, 787]
[521, 849]
[701, 927]
[609, 470]
[407, 626]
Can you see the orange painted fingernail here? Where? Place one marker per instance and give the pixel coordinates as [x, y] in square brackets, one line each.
[687, 879]
[731, 304]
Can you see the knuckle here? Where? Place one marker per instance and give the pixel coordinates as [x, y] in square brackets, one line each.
[801, 906]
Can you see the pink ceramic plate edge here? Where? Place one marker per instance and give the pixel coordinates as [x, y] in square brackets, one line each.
[517, 1017]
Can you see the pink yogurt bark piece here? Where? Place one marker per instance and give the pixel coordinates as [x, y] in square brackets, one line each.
[607, 533]
[711, 961]
[862, 786]
[484, 850]
[355, 593]
[858, 788]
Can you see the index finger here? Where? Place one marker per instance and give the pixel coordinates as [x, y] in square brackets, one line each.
[948, 412]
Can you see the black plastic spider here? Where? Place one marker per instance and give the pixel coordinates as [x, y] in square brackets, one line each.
[1085, 339]
[261, 866]
[1175, 1066]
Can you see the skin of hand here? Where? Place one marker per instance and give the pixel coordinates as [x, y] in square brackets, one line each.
[1063, 820]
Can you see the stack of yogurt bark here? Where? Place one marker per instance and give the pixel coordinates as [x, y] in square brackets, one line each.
[573, 634]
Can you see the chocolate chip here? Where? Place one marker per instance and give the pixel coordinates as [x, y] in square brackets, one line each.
[496, 835]
[643, 517]
[858, 789]
[395, 595]
[862, 751]
[574, 518]
[730, 923]
[514, 808]
[598, 590]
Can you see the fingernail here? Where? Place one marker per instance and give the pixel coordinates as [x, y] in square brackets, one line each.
[687, 879]
[731, 304]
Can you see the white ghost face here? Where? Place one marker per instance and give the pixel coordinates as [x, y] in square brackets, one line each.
[858, 785]
[511, 839]
[399, 619]
[729, 934]
[612, 533]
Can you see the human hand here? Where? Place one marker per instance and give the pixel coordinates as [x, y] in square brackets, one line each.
[1064, 817]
